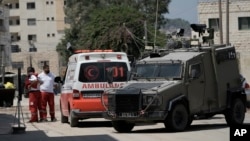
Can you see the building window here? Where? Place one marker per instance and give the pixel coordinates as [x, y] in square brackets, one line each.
[65, 2]
[1, 22]
[214, 23]
[47, 18]
[32, 37]
[15, 48]
[17, 22]
[244, 23]
[48, 35]
[53, 34]
[15, 38]
[31, 5]
[52, 18]
[10, 6]
[17, 5]
[10, 22]
[31, 21]
[51, 2]
[47, 2]
[16, 65]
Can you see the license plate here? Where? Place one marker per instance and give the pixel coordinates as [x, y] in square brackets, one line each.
[131, 114]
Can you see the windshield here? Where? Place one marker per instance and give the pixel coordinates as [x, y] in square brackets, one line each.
[96, 71]
[163, 70]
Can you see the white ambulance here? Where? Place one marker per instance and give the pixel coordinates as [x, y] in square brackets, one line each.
[85, 81]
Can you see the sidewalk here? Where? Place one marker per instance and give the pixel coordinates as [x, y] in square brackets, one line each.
[9, 115]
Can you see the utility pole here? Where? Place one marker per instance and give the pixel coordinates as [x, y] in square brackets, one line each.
[146, 33]
[3, 63]
[227, 22]
[156, 22]
[220, 24]
[30, 59]
[125, 38]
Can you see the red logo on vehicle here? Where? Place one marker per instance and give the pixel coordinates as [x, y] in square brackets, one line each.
[91, 72]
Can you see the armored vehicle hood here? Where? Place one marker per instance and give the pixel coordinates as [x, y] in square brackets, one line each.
[135, 87]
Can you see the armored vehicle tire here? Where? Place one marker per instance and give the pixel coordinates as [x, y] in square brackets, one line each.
[64, 119]
[123, 126]
[72, 121]
[178, 118]
[235, 115]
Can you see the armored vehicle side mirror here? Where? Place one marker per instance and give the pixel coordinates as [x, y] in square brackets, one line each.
[109, 75]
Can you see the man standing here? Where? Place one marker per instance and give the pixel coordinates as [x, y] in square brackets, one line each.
[46, 79]
[32, 86]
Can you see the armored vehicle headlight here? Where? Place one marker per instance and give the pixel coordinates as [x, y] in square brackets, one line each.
[151, 99]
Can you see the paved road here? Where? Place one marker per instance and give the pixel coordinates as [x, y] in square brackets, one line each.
[214, 129]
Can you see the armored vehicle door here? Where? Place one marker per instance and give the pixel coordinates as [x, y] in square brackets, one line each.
[196, 84]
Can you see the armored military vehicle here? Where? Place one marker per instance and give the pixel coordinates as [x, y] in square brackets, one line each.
[177, 86]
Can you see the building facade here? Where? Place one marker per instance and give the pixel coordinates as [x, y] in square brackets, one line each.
[239, 27]
[36, 27]
[5, 54]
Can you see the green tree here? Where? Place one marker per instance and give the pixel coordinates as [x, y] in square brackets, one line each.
[115, 24]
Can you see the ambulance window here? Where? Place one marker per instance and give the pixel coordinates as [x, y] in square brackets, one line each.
[70, 73]
[96, 72]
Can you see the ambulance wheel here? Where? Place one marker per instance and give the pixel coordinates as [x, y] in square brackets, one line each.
[72, 120]
[178, 118]
[235, 115]
[123, 126]
[64, 119]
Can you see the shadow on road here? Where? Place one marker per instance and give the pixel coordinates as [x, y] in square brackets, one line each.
[41, 136]
[93, 124]
[192, 128]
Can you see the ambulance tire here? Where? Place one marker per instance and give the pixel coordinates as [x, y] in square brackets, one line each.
[64, 119]
[72, 120]
[235, 115]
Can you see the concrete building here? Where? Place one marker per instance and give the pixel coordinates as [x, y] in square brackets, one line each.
[36, 27]
[5, 58]
[239, 27]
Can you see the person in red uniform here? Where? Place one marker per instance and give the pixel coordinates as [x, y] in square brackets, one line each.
[32, 85]
[46, 79]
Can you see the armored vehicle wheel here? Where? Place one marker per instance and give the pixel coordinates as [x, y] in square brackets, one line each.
[123, 126]
[72, 121]
[64, 119]
[190, 120]
[178, 118]
[235, 115]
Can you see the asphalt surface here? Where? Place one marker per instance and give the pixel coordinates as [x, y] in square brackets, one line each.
[93, 130]
[9, 123]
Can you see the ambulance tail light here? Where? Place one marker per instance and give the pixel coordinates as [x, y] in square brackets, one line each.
[119, 56]
[247, 86]
[87, 57]
[76, 94]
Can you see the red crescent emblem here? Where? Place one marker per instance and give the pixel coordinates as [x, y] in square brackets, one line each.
[91, 72]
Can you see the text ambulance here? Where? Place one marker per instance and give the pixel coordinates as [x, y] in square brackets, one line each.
[85, 81]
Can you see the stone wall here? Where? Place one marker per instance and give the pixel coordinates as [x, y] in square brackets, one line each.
[239, 38]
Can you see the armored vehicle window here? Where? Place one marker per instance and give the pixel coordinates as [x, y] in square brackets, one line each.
[95, 72]
[195, 71]
[162, 70]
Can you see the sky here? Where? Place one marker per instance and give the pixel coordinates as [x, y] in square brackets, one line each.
[184, 9]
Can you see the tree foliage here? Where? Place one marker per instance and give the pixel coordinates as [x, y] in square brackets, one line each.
[112, 24]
